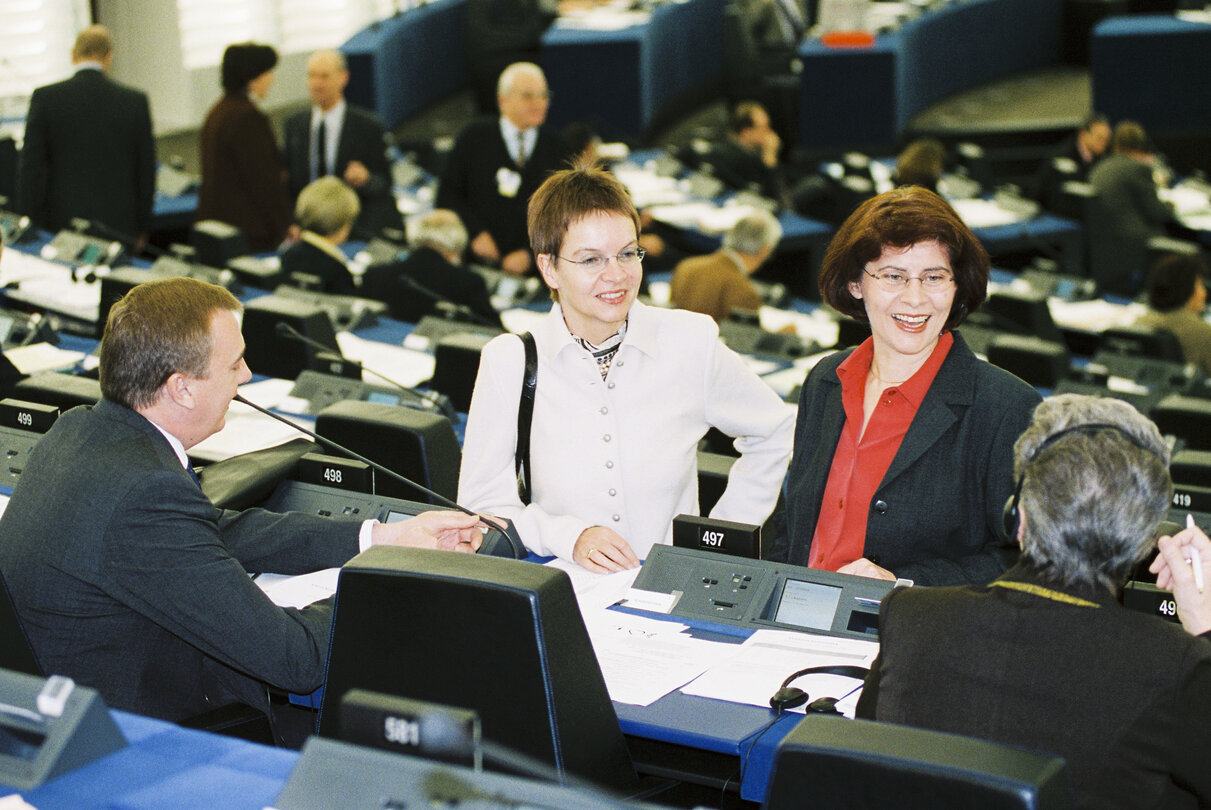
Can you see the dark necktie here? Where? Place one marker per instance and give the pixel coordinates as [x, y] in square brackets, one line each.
[194, 476]
[521, 149]
[321, 151]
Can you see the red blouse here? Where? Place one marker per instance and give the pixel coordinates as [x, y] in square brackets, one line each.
[859, 464]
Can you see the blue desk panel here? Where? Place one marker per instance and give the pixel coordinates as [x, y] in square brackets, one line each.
[625, 82]
[169, 766]
[1153, 69]
[402, 64]
[864, 98]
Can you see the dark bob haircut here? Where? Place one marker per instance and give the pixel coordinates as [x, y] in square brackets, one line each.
[901, 218]
[243, 62]
[1172, 279]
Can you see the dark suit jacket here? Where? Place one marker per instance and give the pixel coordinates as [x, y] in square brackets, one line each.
[743, 170]
[936, 516]
[1124, 213]
[469, 185]
[130, 581]
[243, 180]
[429, 269]
[1124, 697]
[88, 153]
[361, 138]
[304, 257]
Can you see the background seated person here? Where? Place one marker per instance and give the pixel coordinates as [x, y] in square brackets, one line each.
[1044, 657]
[903, 446]
[124, 575]
[1177, 296]
[716, 284]
[433, 265]
[625, 393]
[921, 164]
[324, 213]
[747, 159]
[1073, 159]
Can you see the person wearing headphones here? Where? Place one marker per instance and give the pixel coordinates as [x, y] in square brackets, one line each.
[1044, 657]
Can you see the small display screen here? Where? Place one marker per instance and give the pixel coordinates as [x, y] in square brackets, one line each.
[808, 604]
[20, 743]
[382, 398]
[396, 517]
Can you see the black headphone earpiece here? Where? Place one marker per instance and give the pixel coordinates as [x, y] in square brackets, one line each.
[791, 697]
[1011, 514]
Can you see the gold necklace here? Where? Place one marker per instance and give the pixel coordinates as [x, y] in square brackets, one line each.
[875, 374]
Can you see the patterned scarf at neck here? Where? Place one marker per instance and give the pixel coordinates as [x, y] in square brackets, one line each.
[604, 354]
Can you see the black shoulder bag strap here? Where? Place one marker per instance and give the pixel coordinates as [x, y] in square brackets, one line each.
[525, 416]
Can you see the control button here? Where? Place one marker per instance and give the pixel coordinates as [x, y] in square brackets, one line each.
[747, 578]
[881, 507]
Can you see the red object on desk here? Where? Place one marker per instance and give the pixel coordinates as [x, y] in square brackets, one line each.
[848, 39]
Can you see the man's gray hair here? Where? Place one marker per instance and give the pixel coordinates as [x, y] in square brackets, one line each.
[1092, 498]
[504, 85]
[326, 205]
[753, 233]
[442, 230]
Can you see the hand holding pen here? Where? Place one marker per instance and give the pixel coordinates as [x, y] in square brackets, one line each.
[1179, 568]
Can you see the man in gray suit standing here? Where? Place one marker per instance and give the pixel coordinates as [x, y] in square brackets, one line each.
[88, 149]
[124, 574]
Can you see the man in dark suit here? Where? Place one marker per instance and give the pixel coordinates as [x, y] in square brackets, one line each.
[125, 576]
[432, 274]
[747, 160]
[1072, 160]
[88, 149]
[1045, 657]
[495, 166]
[354, 148]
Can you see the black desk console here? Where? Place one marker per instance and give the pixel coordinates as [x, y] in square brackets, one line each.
[327, 501]
[760, 593]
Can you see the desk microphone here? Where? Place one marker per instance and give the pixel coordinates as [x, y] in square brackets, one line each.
[456, 307]
[507, 530]
[431, 400]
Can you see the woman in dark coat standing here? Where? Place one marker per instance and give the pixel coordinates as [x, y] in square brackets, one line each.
[243, 177]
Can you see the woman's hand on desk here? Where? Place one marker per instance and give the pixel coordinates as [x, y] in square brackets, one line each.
[863, 567]
[603, 551]
[449, 531]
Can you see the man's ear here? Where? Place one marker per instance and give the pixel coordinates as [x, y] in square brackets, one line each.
[177, 388]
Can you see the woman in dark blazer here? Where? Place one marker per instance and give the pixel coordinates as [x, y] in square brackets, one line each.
[243, 177]
[904, 445]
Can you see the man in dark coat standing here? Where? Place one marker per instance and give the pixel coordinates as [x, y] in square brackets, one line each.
[351, 141]
[88, 148]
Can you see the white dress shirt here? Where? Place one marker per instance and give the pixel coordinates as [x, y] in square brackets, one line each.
[622, 452]
[334, 121]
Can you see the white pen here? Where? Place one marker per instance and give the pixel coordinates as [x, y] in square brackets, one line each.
[1196, 561]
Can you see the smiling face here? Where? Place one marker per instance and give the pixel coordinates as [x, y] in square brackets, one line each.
[906, 323]
[595, 303]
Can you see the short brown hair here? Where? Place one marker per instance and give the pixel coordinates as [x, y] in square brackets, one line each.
[901, 218]
[569, 196]
[157, 329]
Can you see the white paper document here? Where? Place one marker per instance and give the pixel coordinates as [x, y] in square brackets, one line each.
[404, 366]
[595, 591]
[299, 591]
[767, 657]
[642, 659]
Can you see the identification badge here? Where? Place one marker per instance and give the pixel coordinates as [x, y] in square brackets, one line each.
[508, 182]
